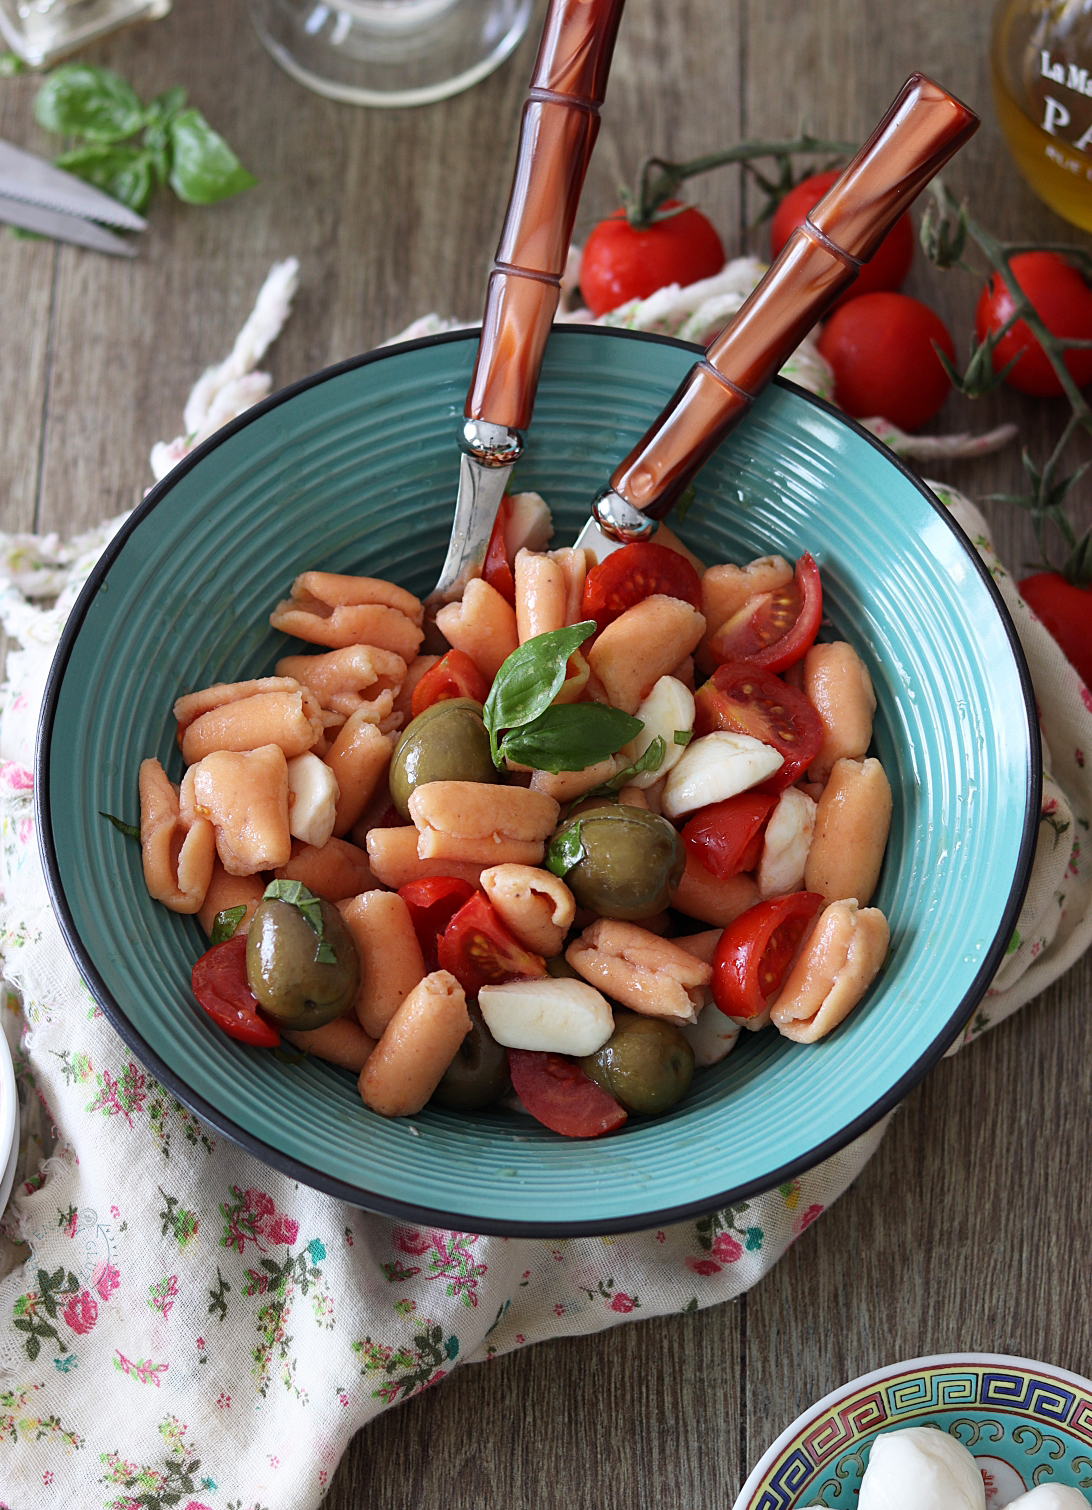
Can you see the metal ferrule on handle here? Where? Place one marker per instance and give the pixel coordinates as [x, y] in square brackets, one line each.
[557, 132]
[917, 136]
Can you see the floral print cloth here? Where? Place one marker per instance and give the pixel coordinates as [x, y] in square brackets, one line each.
[181, 1326]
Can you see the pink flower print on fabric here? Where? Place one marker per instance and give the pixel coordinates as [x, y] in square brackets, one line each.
[412, 1240]
[284, 1230]
[703, 1266]
[621, 1302]
[1086, 697]
[726, 1248]
[81, 1312]
[15, 777]
[106, 1280]
[805, 1219]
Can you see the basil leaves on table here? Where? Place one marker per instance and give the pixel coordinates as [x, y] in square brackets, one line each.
[176, 145]
[297, 894]
[528, 728]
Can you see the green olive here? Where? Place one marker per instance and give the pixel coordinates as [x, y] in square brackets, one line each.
[560, 969]
[646, 1064]
[476, 1078]
[630, 861]
[447, 742]
[284, 970]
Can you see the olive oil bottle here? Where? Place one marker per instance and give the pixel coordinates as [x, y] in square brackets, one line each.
[1041, 63]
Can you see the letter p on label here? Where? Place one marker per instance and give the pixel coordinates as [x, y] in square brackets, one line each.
[1054, 116]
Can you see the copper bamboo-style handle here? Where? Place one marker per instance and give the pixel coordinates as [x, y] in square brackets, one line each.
[917, 136]
[557, 132]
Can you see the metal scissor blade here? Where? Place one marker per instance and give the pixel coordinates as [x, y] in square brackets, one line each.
[26, 177]
[481, 489]
[59, 227]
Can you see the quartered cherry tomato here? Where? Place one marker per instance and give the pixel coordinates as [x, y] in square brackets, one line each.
[890, 262]
[558, 1094]
[619, 263]
[496, 568]
[1062, 300]
[747, 700]
[480, 951]
[754, 953]
[220, 985]
[881, 349]
[1066, 612]
[454, 675]
[432, 903]
[774, 629]
[627, 576]
[727, 837]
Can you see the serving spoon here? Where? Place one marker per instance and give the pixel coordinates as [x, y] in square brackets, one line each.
[923, 128]
[558, 128]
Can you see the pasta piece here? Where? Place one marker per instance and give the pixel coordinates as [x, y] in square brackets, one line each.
[391, 963]
[178, 851]
[359, 758]
[193, 704]
[473, 820]
[338, 611]
[836, 966]
[701, 945]
[342, 1042]
[420, 1041]
[291, 720]
[229, 891]
[483, 626]
[563, 786]
[643, 644]
[331, 723]
[341, 679]
[246, 797]
[839, 688]
[704, 896]
[574, 564]
[633, 796]
[851, 826]
[392, 854]
[541, 595]
[650, 975]
[537, 906]
[334, 870]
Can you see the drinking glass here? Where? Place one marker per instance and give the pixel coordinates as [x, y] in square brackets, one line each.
[40, 31]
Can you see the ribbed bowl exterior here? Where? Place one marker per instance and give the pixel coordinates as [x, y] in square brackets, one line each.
[355, 472]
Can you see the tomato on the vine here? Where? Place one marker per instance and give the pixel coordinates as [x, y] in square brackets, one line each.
[620, 263]
[454, 675]
[891, 260]
[727, 837]
[1066, 612]
[433, 902]
[1062, 300]
[747, 700]
[754, 953]
[635, 572]
[219, 982]
[776, 629]
[881, 347]
[478, 949]
[557, 1093]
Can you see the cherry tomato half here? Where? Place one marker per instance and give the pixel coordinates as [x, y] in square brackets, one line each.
[774, 629]
[1066, 612]
[748, 700]
[881, 349]
[619, 263]
[480, 951]
[496, 568]
[754, 953]
[727, 837]
[432, 903]
[557, 1093]
[891, 260]
[220, 985]
[454, 675]
[627, 576]
[1062, 300]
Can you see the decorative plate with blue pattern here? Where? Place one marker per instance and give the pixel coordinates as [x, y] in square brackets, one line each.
[1026, 1424]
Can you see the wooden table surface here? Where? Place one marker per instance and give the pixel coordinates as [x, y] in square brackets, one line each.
[969, 1227]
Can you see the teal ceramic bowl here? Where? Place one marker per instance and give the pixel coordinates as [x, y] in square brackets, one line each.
[1025, 1424]
[355, 471]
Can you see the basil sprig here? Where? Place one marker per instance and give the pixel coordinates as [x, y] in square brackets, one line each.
[296, 893]
[130, 830]
[528, 728]
[226, 925]
[176, 145]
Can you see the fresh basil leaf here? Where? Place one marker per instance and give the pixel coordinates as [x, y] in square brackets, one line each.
[296, 893]
[162, 111]
[130, 830]
[529, 680]
[683, 736]
[684, 503]
[81, 100]
[565, 851]
[126, 173]
[570, 737]
[10, 65]
[651, 760]
[227, 924]
[204, 169]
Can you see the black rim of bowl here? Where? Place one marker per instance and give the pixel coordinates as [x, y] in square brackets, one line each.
[386, 1205]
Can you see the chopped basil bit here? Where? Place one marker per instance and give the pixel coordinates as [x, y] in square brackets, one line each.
[227, 924]
[296, 893]
[565, 851]
[683, 736]
[130, 830]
